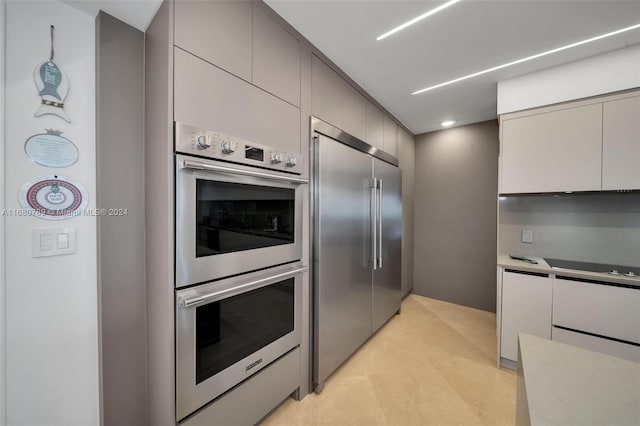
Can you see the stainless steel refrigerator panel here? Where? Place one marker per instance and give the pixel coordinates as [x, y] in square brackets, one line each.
[386, 277]
[342, 255]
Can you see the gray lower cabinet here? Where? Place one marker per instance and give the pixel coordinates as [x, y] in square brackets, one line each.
[247, 403]
[334, 100]
[276, 58]
[218, 32]
[596, 344]
[596, 316]
[390, 136]
[526, 308]
[600, 309]
[209, 98]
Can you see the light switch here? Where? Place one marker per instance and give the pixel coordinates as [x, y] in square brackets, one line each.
[46, 241]
[63, 241]
[53, 241]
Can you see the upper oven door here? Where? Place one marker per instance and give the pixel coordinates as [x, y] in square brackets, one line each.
[232, 219]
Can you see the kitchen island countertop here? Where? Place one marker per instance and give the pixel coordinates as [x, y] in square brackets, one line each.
[560, 384]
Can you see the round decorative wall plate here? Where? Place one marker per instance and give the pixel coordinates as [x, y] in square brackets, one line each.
[53, 197]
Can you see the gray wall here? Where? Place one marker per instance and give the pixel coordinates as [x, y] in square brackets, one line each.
[591, 227]
[455, 215]
[120, 184]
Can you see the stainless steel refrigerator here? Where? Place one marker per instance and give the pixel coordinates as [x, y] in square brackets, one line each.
[357, 237]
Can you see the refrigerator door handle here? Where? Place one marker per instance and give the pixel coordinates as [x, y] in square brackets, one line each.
[380, 224]
[374, 223]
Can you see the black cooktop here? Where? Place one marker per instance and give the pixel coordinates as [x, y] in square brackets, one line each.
[592, 267]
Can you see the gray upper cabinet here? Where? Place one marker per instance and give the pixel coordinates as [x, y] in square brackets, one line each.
[218, 32]
[390, 136]
[336, 101]
[554, 151]
[209, 98]
[587, 145]
[621, 144]
[276, 58]
[375, 126]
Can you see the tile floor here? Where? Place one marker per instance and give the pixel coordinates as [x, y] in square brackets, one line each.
[434, 364]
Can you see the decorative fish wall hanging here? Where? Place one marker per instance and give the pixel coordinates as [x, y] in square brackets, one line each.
[53, 86]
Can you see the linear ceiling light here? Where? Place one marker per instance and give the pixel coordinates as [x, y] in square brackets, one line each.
[539, 55]
[419, 18]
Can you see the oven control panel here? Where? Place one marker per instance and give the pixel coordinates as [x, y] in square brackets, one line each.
[207, 143]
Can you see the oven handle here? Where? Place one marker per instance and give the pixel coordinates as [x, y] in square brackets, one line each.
[201, 299]
[197, 165]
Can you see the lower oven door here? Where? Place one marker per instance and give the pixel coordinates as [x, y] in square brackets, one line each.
[230, 329]
[232, 219]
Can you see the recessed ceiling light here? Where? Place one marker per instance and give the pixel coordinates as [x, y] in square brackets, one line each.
[418, 18]
[448, 123]
[528, 58]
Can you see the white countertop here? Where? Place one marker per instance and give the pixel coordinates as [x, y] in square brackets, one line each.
[566, 385]
[543, 267]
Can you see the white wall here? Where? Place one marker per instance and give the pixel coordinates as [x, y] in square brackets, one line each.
[606, 73]
[51, 303]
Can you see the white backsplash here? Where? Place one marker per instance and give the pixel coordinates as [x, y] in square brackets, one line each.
[590, 227]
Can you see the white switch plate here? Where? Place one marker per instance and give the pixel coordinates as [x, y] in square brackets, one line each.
[53, 241]
[527, 236]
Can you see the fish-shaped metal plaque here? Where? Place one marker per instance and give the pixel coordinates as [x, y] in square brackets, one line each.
[53, 86]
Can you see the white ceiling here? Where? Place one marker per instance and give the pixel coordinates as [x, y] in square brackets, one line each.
[469, 36]
[137, 13]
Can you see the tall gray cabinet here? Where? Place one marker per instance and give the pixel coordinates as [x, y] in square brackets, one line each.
[209, 64]
[235, 67]
[406, 159]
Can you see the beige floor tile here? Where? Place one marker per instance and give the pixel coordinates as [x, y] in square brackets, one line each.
[478, 326]
[293, 413]
[349, 401]
[421, 398]
[489, 391]
[434, 364]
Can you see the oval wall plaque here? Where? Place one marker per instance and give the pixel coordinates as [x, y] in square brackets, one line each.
[51, 150]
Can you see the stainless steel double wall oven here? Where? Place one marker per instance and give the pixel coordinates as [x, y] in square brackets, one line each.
[238, 270]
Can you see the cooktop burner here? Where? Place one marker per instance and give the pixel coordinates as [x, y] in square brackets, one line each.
[627, 271]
